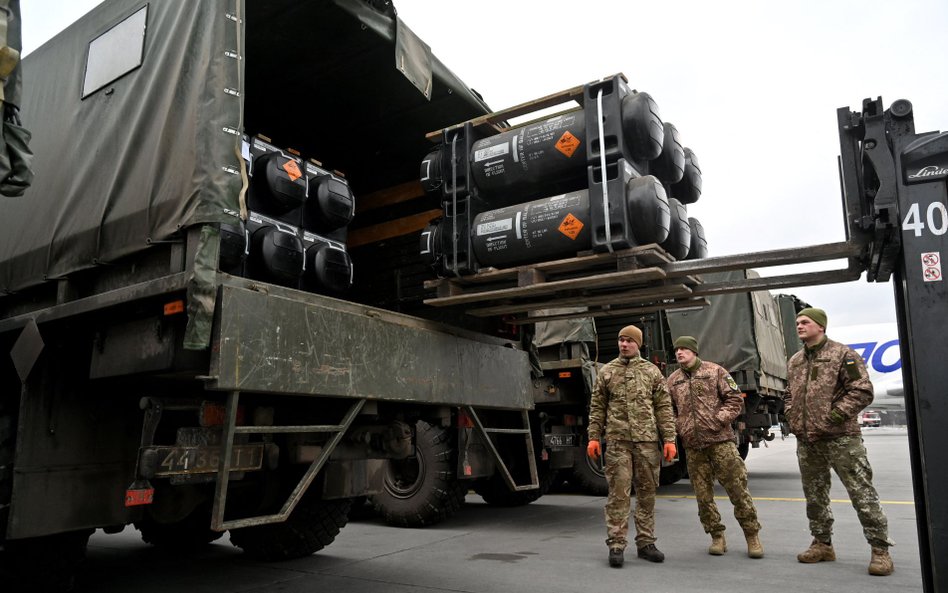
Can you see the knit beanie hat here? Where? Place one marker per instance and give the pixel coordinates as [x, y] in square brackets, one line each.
[817, 315]
[633, 333]
[687, 342]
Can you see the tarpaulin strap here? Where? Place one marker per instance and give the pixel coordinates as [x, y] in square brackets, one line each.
[202, 289]
[602, 164]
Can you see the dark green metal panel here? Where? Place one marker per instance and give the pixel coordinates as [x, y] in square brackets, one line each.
[316, 345]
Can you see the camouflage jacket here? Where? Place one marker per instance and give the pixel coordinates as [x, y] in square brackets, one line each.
[631, 401]
[820, 379]
[707, 400]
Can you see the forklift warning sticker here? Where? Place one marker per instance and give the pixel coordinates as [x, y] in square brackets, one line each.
[571, 226]
[292, 169]
[567, 144]
[931, 266]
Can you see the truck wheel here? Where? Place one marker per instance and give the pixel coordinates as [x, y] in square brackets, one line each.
[7, 445]
[45, 564]
[673, 473]
[312, 526]
[423, 489]
[590, 474]
[495, 492]
[188, 534]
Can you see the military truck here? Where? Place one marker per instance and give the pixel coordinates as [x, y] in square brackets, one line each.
[196, 335]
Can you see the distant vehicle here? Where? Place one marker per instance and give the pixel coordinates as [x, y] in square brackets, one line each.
[870, 418]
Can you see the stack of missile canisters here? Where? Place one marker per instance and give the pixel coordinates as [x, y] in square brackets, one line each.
[297, 219]
[607, 176]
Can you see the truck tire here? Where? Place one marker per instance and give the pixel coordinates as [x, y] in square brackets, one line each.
[7, 446]
[186, 535]
[495, 492]
[423, 489]
[589, 474]
[46, 564]
[673, 473]
[312, 526]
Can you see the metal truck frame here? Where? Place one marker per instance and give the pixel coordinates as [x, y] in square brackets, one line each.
[145, 385]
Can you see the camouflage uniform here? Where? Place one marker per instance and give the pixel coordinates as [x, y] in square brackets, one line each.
[831, 376]
[707, 401]
[631, 401]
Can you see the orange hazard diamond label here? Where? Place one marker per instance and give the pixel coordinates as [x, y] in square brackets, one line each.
[567, 144]
[292, 169]
[571, 226]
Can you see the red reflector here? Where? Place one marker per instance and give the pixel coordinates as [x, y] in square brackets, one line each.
[744, 395]
[545, 455]
[566, 374]
[138, 496]
[174, 307]
[569, 420]
[468, 470]
[214, 414]
[464, 421]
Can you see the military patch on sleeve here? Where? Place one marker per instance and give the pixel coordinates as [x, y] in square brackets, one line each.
[852, 369]
[732, 383]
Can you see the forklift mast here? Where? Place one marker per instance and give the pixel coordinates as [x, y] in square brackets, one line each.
[895, 195]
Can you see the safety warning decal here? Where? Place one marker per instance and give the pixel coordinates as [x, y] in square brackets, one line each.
[931, 266]
[567, 144]
[571, 226]
[292, 169]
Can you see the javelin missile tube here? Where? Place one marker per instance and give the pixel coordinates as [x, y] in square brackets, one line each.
[554, 227]
[551, 155]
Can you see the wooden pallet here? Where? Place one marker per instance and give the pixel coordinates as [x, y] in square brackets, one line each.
[624, 282]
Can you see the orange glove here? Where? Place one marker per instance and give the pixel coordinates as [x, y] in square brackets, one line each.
[593, 449]
[670, 451]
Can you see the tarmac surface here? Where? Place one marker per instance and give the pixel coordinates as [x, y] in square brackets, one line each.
[556, 544]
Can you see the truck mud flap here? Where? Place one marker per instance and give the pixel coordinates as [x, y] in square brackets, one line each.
[223, 475]
[491, 435]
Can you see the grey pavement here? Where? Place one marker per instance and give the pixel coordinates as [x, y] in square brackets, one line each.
[555, 545]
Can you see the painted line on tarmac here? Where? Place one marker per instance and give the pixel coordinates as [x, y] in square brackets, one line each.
[783, 499]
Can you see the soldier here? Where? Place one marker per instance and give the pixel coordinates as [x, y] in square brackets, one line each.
[828, 387]
[630, 399]
[706, 401]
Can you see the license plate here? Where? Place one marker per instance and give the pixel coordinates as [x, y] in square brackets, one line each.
[205, 460]
[559, 440]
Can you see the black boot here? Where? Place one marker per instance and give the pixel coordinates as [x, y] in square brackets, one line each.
[616, 557]
[651, 553]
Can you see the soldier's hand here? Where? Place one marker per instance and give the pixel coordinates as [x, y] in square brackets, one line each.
[670, 451]
[836, 417]
[593, 449]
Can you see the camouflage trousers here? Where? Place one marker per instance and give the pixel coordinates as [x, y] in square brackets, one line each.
[721, 461]
[846, 455]
[631, 464]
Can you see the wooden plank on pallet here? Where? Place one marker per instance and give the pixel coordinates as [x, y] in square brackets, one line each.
[613, 279]
[613, 312]
[393, 228]
[389, 196]
[490, 123]
[639, 295]
[647, 255]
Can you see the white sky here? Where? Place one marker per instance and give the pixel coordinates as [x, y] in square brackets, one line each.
[752, 87]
